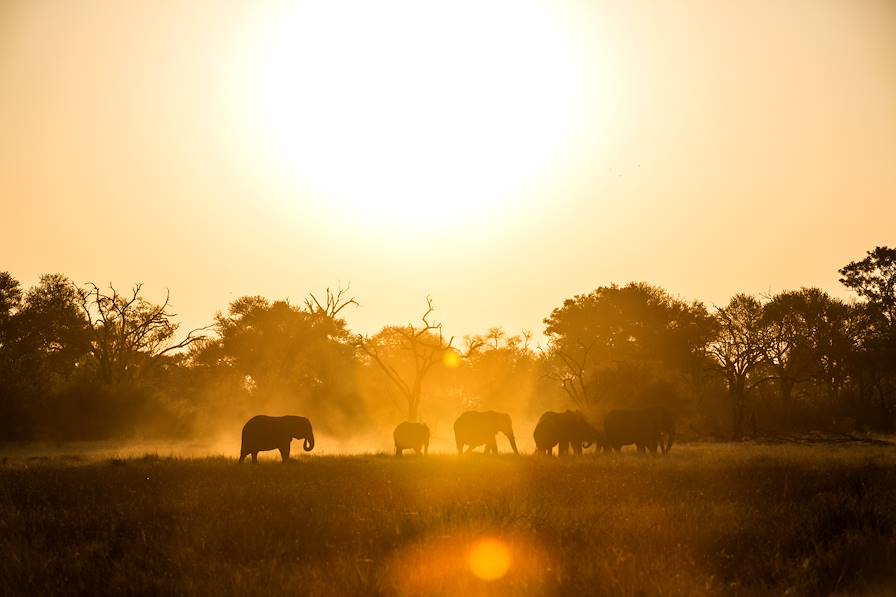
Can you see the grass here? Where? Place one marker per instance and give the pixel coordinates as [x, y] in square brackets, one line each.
[707, 520]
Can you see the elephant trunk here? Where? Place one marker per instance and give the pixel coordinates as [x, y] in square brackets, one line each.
[309, 441]
[513, 444]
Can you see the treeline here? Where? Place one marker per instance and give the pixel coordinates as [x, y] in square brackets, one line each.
[84, 362]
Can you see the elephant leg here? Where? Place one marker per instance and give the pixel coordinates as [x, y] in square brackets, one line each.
[666, 442]
[243, 456]
[426, 448]
[254, 457]
[577, 448]
[284, 453]
[460, 447]
[418, 450]
[398, 451]
[563, 448]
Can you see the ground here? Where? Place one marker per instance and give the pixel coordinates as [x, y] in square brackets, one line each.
[706, 520]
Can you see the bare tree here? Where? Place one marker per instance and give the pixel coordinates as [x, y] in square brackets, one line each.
[424, 344]
[569, 370]
[332, 304]
[128, 331]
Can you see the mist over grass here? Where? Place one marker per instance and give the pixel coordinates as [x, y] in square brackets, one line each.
[708, 520]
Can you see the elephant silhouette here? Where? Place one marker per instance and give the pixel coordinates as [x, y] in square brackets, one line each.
[411, 436]
[647, 428]
[262, 433]
[565, 430]
[476, 429]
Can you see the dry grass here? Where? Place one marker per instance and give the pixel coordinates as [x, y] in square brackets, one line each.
[708, 520]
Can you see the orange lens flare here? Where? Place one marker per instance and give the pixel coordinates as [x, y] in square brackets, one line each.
[489, 559]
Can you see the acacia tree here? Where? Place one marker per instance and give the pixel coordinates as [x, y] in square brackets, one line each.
[128, 333]
[739, 350]
[422, 345]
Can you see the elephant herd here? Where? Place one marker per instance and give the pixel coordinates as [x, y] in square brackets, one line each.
[648, 429]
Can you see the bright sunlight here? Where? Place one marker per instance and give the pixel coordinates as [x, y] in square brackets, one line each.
[398, 112]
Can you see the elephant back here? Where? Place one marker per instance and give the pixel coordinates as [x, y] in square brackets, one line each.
[409, 435]
[474, 425]
[623, 427]
[263, 432]
[549, 429]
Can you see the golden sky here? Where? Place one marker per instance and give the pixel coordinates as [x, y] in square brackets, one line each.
[500, 156]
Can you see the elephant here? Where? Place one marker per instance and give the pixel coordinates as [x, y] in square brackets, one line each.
[563, 430]
[261, 433]
[476, 429]
[411, 436]
[646, 428]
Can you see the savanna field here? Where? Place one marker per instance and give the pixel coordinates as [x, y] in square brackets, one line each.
[709, 519]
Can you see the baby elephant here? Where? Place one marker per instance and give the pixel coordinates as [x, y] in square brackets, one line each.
[262, 433]
[411, 436]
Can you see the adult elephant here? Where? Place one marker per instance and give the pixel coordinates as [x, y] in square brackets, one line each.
[476, 429]
[411, 436]
[647, 428]
[262, 433]
[563, 430]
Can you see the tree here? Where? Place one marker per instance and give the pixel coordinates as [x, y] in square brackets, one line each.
[332, 305]
[421, 347]
[281, 356]
[10, 302]
[788, 338]
[499, 375]
[874, 279]
[129, 334]
[604, 344]
[53, 324]
[279, 345]
[13, 414]
[739, 350]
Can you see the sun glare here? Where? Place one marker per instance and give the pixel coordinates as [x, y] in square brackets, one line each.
[402, 112]
[451, 359]
[489, 559]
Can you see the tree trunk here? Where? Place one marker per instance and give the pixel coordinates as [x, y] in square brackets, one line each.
[739, 400]
[786, 385]
[414, 402]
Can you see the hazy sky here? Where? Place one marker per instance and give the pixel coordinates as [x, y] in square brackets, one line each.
[500, 156]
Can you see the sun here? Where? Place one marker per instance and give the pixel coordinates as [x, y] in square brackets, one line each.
[404, 112]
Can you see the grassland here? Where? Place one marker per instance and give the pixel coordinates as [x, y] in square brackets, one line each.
[707, 520]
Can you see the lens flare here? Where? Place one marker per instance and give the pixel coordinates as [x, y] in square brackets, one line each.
[489, 559]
